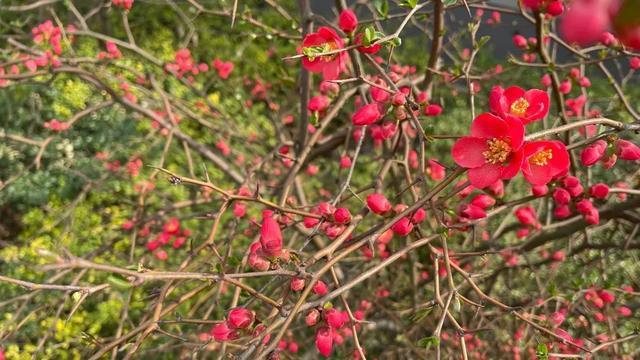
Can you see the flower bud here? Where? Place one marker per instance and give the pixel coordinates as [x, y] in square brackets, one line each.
[539, 190]
[312, 317]
[433, 110]
[378, 204]
[324, 341]
[483, 201]
[561, 196]
[402, 227]
[320, 288]
[366, 115]
[562, 211]
[335, 318]
[593, 153]
[240, 318]
[526, 215]
[348, 21]
[399, 99]
[418, 216]
[473, 212]
[584, 206]
[627, 150]
[222, 332]
[342, 215]
[270, 235]
[599, 191]
[297, 284]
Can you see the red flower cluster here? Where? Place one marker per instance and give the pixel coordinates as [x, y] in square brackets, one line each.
[125, 4]
[46, 33]
[496, 148]
[55, 125]
[171, 234]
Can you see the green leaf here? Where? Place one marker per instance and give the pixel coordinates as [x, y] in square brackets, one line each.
[409, 3]
[369, 36]
[542, 352]
[448, 3]
[427, 342]
[421, 314]
[483, 40]
[382, 6]
[314, 119]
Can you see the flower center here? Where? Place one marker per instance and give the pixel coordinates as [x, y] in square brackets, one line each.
[541, 158]
[313, 52]
[519, 107]
[498, 152]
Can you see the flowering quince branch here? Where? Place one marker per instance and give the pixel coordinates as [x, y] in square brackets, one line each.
[341, 217]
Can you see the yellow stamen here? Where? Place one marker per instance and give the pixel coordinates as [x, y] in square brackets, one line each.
[541, 158]
[498, 152]
[519, 107]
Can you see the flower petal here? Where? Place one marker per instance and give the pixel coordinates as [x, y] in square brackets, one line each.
[497, 102]
[514, 165]
[513, 93]
[538, 175]
[560, 161]
[515, 131]
[488, 126]
[467, 152]
[538, 105]
[485, 175]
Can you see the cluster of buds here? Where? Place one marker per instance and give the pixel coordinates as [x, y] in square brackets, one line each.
[334, 220]
[572, 191]
[171, 234]
[239, 321]
[331, 326]
[608, 152]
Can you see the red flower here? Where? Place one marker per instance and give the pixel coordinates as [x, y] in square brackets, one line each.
[323, 41]
[528, 106]
[544, 160]
[492, 152]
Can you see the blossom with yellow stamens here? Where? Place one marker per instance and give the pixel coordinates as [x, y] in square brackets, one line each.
[528, 106]
[493, 151]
